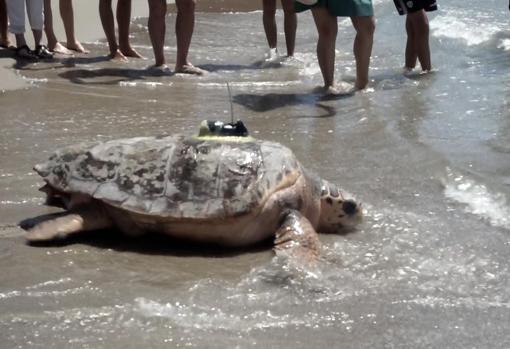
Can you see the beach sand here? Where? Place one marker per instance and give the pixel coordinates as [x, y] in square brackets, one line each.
[88, 28]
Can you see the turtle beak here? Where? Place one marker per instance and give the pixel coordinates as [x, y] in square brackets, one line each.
[42, 170]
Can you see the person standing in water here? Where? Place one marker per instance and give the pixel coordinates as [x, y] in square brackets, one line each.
[16, 15]
[184, 25]
[417, 28]
[123, 49]
[67, 14]
[325, 13]
[270, 28]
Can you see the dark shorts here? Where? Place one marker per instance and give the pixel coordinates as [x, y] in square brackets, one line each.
[341, 8]
[410, 6]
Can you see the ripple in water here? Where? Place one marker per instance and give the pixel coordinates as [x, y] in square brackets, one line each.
[275, 296]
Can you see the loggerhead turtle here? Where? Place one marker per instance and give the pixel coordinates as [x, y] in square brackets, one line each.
[221, 187]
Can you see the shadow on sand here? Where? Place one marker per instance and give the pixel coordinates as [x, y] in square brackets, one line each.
[272, 101]
[57, 62]
[80, 76]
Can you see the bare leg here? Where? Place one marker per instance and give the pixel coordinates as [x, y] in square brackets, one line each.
[420, 26]
[37, 37]
[157, 27]
[365, 27]
[66, 12]
[48, 25]
[269, 22]
[327, 28]
[290, 25]
[124, 21]
[78, 220]
[107, 21]
[20, 40]
[4, 35]
[53, 44]
[184, 25]
[410, 55]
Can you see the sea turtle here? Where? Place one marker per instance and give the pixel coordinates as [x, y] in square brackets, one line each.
[221, 187]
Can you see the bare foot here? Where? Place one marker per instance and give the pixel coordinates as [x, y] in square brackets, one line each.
[131, 52]
[429, 71]
[406, 71]
[159, 70]
[189, 69]
[331, 91]
[77, 46]
[339, 89]
[361, 85]
[118, 56]
[271, 54]
[61, 49]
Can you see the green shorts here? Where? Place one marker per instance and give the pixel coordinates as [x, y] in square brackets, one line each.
[341, 8]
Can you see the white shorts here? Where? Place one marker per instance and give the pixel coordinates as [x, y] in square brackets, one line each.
[16, 13]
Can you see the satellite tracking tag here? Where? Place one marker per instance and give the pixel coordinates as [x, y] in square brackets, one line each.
[221, 129]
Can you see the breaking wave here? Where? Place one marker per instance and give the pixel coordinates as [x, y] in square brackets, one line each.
[480, 200]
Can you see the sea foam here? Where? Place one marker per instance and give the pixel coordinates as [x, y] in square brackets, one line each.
[472, 30]
[479, 199]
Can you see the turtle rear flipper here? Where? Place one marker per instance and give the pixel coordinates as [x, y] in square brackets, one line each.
[80, 219]
[297, 239]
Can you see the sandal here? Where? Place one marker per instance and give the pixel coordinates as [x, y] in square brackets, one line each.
[42, 52]
[24, 52]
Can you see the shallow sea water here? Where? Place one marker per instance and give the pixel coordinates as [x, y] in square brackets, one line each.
[428, 155]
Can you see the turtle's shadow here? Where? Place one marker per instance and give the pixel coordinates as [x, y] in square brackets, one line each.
[272, 101]
[149, 244]
[117, 75]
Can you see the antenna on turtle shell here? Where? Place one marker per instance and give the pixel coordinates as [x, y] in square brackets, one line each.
[219, 128]
[231, 105]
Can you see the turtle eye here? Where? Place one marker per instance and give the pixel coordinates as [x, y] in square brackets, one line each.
[334, 192]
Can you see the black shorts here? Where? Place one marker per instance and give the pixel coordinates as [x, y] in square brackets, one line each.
[410, 6]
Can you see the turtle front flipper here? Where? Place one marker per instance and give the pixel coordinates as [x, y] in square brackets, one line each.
[297, 239]
[83, 218]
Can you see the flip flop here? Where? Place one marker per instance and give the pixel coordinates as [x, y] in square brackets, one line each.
[24, 52]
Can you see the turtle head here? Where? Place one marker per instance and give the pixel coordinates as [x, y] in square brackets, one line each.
[337, 213]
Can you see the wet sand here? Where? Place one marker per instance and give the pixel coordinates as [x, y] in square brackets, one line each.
[88, 28]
